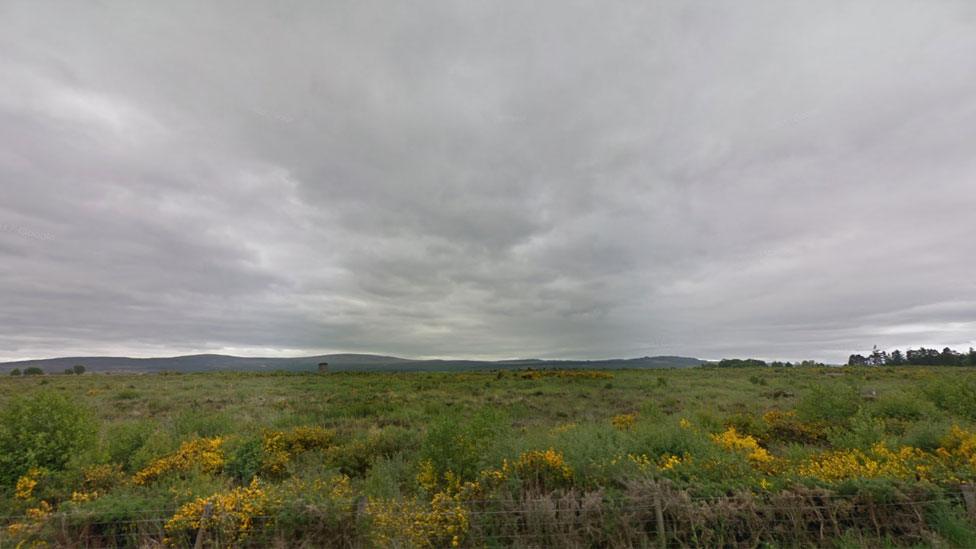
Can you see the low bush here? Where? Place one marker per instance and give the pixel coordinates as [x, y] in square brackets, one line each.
[124, 440]
[833, 405]
[955, 396]
[459, 446]
[902, 406]
[926, 435]
[42, 430]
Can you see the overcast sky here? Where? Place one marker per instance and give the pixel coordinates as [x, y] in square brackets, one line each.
[487, 179]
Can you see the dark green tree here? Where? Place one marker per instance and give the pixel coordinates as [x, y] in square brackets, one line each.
[948, 357]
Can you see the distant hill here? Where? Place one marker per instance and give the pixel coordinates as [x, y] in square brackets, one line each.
[337, 363]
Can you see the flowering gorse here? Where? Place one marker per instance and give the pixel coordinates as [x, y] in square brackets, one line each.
[34, 520]
[280, 447]
[541, 469]
[205, 454]
[232, 514]
[24, 490]
[732, 440]
[445, 522]
[624, 422]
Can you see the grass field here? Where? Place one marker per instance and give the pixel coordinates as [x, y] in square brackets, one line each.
[845, 457]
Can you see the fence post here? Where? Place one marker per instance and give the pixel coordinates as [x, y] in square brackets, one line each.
[969, 496]
[662, 535]
[207, 509]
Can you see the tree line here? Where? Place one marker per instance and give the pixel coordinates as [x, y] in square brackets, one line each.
[915, 357]
[755, 362]
[77, 369]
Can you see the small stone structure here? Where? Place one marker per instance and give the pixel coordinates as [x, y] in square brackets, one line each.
[323, 367]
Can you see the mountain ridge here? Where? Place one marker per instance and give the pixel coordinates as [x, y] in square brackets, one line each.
[210, 362]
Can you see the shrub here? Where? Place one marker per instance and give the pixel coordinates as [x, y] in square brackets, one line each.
[863, 431]
[668, 439]
[748, 424]
[356, 456]
[785, 427]
[33, 371]
[956, 396]
[624, 421]
[387, 477]
[926, 435]
[281, 447]
[833, 405]
[459, 446]
[43, 430]
[902, 406]
[589, 449]
[542, 470]
[124, 440]
[245, 460]
[951, 525]
[204, 454]
[159, 443]
[232, 516]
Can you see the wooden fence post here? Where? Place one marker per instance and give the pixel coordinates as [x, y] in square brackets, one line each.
[662, 535]
[969, 496]
[207, 510]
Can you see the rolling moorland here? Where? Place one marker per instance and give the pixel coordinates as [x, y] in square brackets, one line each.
[750, 457]
[347, 362]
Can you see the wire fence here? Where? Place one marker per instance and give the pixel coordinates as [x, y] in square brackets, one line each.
[676, 520]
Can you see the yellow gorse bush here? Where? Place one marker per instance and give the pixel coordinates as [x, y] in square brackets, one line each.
[103, 477]
[24, 489]
[232, 514]
[643, 463]
[34, 519]
[787, 427]
[81, 497]
[959, 449]
[280, 447]
[953, 462]
[395, 523]
[427, 476]
[624, 422]
[540, 468]
[668, 462]
[878, 462]
[732, 440]
[205, 454]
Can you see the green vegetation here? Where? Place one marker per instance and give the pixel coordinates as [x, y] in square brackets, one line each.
[743, 456]
[915, 357]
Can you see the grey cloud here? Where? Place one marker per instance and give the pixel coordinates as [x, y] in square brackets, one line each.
[486, 179]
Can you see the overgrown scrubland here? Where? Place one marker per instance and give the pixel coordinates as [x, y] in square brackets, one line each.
[700, 457]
